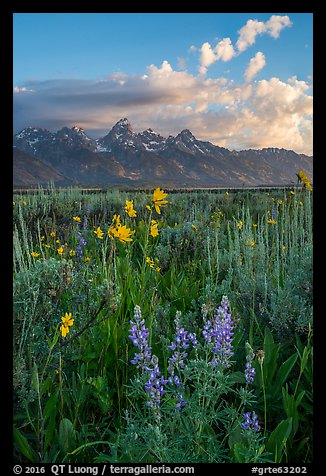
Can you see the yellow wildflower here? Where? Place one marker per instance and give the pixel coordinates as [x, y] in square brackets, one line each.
[116, 220]
[254, 225]
[123, 233]
[47, 246]
[150, 262]
[154, 229]
[280, 202]
[271, 222]
[194, 227]
[300, 203]
[240, 224]
[76, 218]
[72, 252]
[149, 207]
[24, 202]
[158, 199]
[302, 176]
[60, 250]
[113, 230]
[292, 193]
[99, 233]
[308, 186]
[129, 208]
[42, 238]
[158, 269]
[283, 247]
[57, 242]
[67, 321]
[35, 254]
[52, 234]
[87, 259]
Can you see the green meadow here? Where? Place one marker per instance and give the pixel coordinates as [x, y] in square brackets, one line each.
[163, 326]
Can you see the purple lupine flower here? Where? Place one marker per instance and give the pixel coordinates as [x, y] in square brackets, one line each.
[251, 422]
[139, 335]
[155, 385]
[179, 345]
[146, 361]
[175, 380]
[79, 248]
[180, 403]
[219, 333]
[249, 372]
[273, 213]
[85, 223]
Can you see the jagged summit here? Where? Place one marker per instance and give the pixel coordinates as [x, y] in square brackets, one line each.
[123, 155]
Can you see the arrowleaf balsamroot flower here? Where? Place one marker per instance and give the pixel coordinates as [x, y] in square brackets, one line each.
[122, 233]
[35, 254]
[76, 219]
[99, 233]
[129, 208]
[302, 177]
[67, 321]
[158, 199]
[60, 250]
[240, 224]
[154, 228]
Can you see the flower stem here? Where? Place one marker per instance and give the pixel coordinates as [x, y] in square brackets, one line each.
[264, 392]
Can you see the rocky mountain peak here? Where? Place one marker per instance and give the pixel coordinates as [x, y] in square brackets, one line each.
[124, 155]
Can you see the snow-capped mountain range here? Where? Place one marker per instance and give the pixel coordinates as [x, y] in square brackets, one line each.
[124, 156]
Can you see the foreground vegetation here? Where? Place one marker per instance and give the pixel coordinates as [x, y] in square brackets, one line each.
[154, 327]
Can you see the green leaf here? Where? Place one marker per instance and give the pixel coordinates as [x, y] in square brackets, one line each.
[277, 439]
[67, 436]
[235, 435]
[239, 451]
[23, 445]
[236, 377]
[50, 413]
[271, 355]
[283, 373]
[300, 397]
[304, 359]
[290, 408]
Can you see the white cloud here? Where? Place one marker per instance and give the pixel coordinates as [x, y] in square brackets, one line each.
[249, 32]
[207, 57]
[222, 51]
[266, 113]
[255, 65]
[276, 23]
[23, 89]
[225, 51]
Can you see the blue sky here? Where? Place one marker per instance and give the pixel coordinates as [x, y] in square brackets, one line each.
[217, 74]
